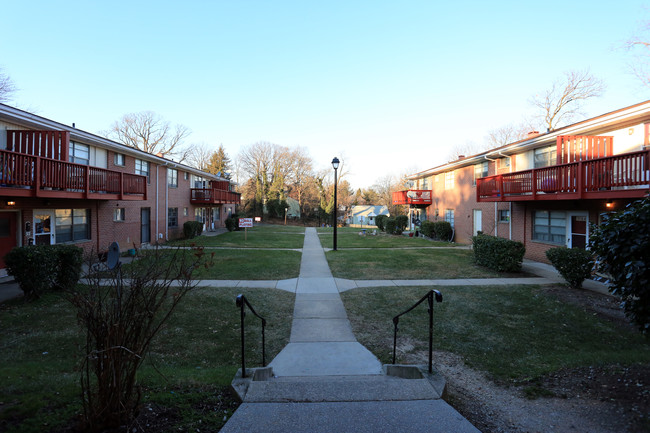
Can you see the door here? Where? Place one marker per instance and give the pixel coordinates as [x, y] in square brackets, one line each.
[578, 230]
[44, 227]
[8, 234]
[478, 221]
[145, 225]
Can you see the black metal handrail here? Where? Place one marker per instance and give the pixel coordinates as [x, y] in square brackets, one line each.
[429, 296]
[241, 301]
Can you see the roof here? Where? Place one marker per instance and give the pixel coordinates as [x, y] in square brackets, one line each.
[595, 125]
[368, 210]
[21, 117]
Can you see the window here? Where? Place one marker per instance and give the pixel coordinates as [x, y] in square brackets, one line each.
[142, 168]
[79, 153]
[72, 225]
[199, 182]
[186, 175]
[545, 156]
[504, 216]
[119, 159]
[172, 177]
[504, 162]
[119, 214]
[480, 170]
[449, 180]
[172, 217]
[549, 226]
[449, 216]
[425, 183]
[185, 211]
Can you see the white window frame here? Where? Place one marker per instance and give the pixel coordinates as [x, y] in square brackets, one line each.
[119, 159]
[450, 179]
[119, 214]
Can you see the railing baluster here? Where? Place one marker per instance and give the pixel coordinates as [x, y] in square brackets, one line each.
[241, 302]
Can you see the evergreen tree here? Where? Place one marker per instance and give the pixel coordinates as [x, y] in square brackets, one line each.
[219, 162]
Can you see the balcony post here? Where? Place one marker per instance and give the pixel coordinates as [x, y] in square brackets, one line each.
[533, 186]
[580, 179]
[87, 176]
[121, 185]
[37, 176]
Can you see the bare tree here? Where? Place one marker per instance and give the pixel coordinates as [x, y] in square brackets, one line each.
[7, 87]
[200, 156]
[149, 132]
[639, 46]
[563, 102]
[506, 134]
[465, 149]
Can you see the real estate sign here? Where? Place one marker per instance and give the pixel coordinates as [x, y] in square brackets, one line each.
[245, 222]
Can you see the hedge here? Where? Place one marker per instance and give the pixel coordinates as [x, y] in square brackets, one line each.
[574, 264]
[499, 254]
[380, 222]
[38, 268]
[192, 229]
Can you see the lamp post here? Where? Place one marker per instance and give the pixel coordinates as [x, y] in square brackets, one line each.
[335, 164]
[286, 209]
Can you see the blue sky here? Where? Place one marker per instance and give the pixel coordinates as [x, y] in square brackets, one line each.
[388, 86]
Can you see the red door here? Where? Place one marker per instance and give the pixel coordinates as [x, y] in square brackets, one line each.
[7, 234]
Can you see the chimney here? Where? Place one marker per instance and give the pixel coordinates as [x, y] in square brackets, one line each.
[532, 134]
[461, 157]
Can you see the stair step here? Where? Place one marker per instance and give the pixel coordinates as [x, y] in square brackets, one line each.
[340, 388]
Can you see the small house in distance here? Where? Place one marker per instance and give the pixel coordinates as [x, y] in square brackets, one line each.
[364, 215]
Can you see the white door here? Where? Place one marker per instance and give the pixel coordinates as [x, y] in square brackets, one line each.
[44, 227]
[578, 230]
[478, 221]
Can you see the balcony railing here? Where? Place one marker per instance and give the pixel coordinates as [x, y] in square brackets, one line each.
[412, 197]
[618, 176]
[214, 196]
[33, 176]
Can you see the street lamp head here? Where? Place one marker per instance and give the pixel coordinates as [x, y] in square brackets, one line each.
[335, 163]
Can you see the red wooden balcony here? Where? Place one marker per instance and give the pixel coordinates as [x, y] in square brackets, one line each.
[626, 175]
[24, 175]
[412, 197]
[214, 196]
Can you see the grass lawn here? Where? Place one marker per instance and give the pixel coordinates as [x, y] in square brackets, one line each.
[515, 333]
[244, 264]
[197, 354]
[382, 264]
[347, 237]
[264, 236]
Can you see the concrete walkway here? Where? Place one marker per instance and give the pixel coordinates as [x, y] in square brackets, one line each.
[326, 381]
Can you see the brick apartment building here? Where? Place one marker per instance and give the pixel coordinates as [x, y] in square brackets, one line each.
[544, 190]
[59, 184]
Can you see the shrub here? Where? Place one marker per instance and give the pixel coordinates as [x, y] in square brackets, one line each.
[232, 223]
[499, 254]
[38, 268]
[622, 248]
[574, 264]
[120, 320]
[68, 261]
[32, 267]
[390, 226]
[192, 229]
[442, 230]
[380, 222]
[401, 221]
[428, 228]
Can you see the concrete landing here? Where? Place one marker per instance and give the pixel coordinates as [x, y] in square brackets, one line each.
[325, 359]
[432, 416]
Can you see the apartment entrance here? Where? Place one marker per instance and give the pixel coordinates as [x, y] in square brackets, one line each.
[578, 230]
[145, 225]
[8, 234]
[478, 221]
[44, 231]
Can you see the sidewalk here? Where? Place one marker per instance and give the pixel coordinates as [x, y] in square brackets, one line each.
[326, 381]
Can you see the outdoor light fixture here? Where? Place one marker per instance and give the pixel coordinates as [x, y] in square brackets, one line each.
[609, 204]
[11, 203]
[335, 164]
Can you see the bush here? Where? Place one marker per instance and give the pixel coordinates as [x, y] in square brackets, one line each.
[401, 221]
[499, 254]
[232, 223]
[192, 229]
[390, 225]
[38, 268]
[380, 222]
[622, 248]
[68, 261]
[428, 228]
[442, 230]
[574, 264]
